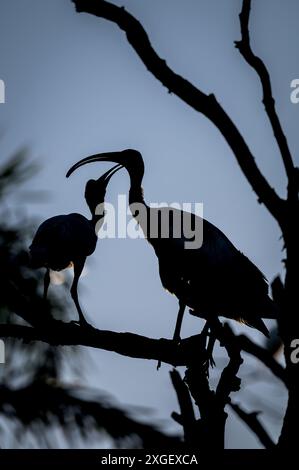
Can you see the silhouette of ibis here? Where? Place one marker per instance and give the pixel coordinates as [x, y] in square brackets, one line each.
[67, 240]
[213, 280]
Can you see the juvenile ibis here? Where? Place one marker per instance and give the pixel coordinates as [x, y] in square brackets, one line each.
[67, 240]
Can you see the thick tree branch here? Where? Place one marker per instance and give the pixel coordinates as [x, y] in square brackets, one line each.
[212, 404]
[229, 381]
[258, 65]
[201, 102]
[131, 345]
[211, 426]
[127, 344]
[251, 419]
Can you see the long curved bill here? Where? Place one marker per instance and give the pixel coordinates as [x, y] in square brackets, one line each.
[116, 157]
[107, 176]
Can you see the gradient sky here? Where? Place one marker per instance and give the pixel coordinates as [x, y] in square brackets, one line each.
[75, 87]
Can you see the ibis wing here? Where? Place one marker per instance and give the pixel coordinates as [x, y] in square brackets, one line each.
[60, 239]
[215, 277]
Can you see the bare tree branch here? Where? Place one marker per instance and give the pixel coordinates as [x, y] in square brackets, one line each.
[127, 344]
[201, 102]
[246, 344]
[191, 352]
[132, 345]
[264, 356]
[211, 404]
[187, 417]
[258, 65]
[229, 382]
[211, 426]
[252, 421]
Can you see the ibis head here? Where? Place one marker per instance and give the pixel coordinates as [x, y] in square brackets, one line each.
[95, 190]
[130, 159]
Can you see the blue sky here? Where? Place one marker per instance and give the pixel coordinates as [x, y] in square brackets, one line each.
[75, 87]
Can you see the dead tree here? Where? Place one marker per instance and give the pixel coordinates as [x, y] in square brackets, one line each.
[284, 210]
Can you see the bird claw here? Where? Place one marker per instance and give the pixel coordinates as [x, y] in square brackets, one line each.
[209, 362]
[196, 313]
[82, 324]
[212, 362]
[75, 322]
[177, 340]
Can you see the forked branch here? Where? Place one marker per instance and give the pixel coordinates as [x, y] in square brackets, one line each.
[260, 68]
[252, 421]
[206, 104]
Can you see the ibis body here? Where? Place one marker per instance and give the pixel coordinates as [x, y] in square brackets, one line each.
[67, 240]
[213, 280]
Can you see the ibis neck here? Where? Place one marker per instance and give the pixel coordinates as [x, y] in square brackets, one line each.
[136, 195]
[97, 214]
[139, 209]
[96, 218]
[136, 191]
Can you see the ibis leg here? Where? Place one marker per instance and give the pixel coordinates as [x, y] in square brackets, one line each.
[178, 325]
[210, 348]
[46, 283]
[78, 268]
[206, 332]
[214, 323]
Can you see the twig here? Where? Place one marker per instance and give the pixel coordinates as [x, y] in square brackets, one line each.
[251, 419]
[258, 65]
[264, 356]
[187, 417]
[229, 382]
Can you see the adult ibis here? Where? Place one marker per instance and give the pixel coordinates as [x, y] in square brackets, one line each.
[214, 279]
[67, 240]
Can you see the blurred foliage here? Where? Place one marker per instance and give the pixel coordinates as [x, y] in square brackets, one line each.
[33, 397]
[45, 402]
